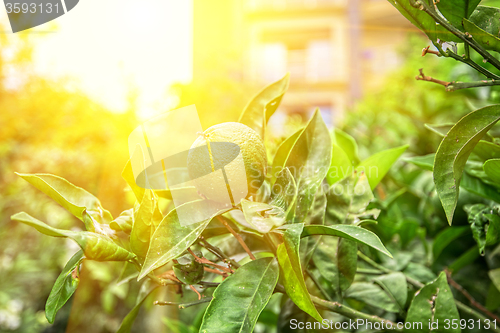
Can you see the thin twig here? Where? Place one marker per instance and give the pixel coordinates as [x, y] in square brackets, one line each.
[471, 299]
[238, 237]
[426, 50]
[318, 285]
[196, 291]
[213, 249]
[207, 284]
[208, 262]
[184, 305]
[423, 77]
[215, 271]
[474, 84]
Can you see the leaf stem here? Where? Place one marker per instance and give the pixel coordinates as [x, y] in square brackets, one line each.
[184, 305]
[215, 250]
[354, 314]
[238, 237]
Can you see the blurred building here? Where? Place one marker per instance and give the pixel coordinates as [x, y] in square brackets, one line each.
[333, 49]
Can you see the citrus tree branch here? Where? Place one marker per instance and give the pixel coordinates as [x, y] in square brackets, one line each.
[466, 37]
[184, 305]
[237, 236]
[474, 84]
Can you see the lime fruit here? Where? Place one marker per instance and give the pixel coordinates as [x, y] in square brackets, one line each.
[231, 154]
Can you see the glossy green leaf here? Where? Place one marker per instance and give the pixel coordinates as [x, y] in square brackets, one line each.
[347, 199]
[486, 39]
[373, 295]
[258, 111]
[492, 169]
[423, 21]
[336, 261]
[425, 162]
[446, 237]
[347, 144]
[128, 175]
[238, 300]
[143, 225]
[289, 260]
[95, 246]
[340, 167]
[284, 191]
[434, 302]
[351, 232]
[487, 150]
[170, 240]
[456, 10]
[123, 222]
[376, 166]
[484, 25]
[316, 215]
[146, 289]
[308, 162]
[73, 198]
[282, 154]
[480, 187]
[395, 285]
[454, 151]
[64, 287]
[493, 232]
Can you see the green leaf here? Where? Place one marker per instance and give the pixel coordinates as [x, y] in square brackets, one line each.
[456, 10]
[340, 167]
[289, 260]
[373, 295]
[64, 287]
[74, 199]
[308, 162]
[487, 150]
[188, 270]
[351, 232]
[376, 166]
[480, 187]
[494, 275]
[128, 175]
[238, 300]
[348, 199]
[425, 162]
[282, 154]
[492, 169]
[257, 113]
[395, 285]
[284, 191]
[347, 144]
[434, 302]
[336, 260]
[170, 240]
[454, 151]
[95, 246]
[446, 237]
[486, 39]
[478, 223]
[123, 222]
[493, 232]
[146, 289]
[423, 21]
[143, 225]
